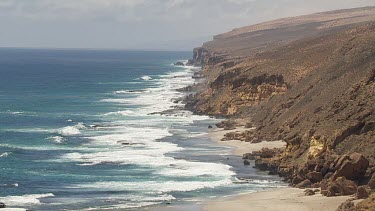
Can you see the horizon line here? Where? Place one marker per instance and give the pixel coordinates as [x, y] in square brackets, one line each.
[92, 49]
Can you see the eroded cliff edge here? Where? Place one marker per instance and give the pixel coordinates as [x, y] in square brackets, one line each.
[309, 81]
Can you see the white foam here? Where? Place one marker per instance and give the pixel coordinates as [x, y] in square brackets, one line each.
[146, 78]
[25, 200]
[136, 141]
[121, 113]
[19, 113]
[31, 130]
[72, 130]
[184, 168]
[138, 144]
[57, 139]
[156, 186]
[5, 154]
[69, 130]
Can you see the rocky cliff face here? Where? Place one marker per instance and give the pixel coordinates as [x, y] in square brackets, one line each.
[309, 81]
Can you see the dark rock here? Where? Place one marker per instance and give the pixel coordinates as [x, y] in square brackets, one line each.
[249, 125]
[209, 127]
[348, 205]
[2, 205]
[325, 169]
[256, 140]
[197, 75]
[371, 183]
[179, 64]
[189, 88]
[304, 184]
[227, 125]
[352, 168]
[233, 136]
[263, 153]
[315, 185]
[261, 164]
[309, 192]
[340, 187]
[297, 179]
[363, 192]
[249, 156]
[246, 162]
[328, 175]
[367, 204]
[314, 176]
[317, 190]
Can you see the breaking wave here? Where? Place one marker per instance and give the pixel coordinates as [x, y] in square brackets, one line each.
[25, 200]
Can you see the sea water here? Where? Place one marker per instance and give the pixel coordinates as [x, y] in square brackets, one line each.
[82, 130]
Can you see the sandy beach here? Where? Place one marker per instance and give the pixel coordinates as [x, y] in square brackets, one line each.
[289, 199]
[241, 147]
[278, 199]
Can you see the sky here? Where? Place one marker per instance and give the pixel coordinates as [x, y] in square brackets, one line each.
[141, 24]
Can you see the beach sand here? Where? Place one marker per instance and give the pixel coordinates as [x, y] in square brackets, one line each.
[278, 199]
[241, 147]
[288, 199]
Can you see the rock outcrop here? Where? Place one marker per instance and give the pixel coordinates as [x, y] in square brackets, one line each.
[366, 205]
[179, 64]
[339, 187]
[352, 167]
[309, 81]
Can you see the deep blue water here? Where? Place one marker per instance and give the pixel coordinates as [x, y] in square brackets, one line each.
[78, 131]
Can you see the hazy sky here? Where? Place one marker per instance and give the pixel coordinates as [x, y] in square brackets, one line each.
[141, 24]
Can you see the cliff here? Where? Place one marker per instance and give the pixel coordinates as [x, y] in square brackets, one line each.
[309, 81]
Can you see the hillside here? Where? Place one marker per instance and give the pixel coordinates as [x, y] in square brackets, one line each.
[309, 81]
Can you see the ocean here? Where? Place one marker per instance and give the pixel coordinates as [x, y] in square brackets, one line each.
[82, 130]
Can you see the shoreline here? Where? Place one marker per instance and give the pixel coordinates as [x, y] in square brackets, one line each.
[275, 199]
[240, 147]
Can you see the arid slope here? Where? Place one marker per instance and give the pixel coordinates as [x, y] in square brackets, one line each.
[309, 81]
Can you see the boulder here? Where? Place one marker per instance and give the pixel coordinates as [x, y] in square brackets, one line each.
[246, 162]
[227, 125]
[209, 127]
[348, 205]
[363, 192]
[179, 64]
[261, 164]
[371, 182]
[352, 168]
[297, 179]
[233, 136]
[309, 192]
[314, 176]
[304, 184]
[339, 187]
[367, 204]
[2, 205]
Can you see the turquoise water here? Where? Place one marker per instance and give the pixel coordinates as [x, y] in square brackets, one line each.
[79, 130]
